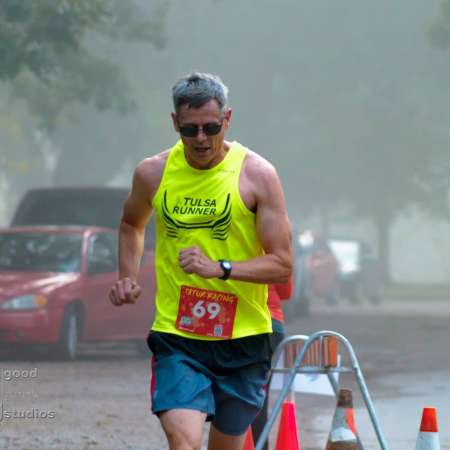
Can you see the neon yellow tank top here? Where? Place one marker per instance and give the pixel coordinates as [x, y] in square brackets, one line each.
[204, 208]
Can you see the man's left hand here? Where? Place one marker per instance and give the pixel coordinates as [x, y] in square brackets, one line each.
[192, 260]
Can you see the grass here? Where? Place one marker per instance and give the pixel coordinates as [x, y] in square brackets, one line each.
[417, 291]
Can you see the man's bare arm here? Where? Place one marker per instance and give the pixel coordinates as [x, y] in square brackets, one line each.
[273, 229]
[136, 214]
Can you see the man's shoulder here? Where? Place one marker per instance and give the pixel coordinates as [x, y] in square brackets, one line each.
[152, 165]
[150, 169]
[256, 166]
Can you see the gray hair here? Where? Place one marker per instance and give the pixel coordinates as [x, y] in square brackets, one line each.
[199, 88]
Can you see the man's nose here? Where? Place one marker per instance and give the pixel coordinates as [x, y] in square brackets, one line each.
[201, 136]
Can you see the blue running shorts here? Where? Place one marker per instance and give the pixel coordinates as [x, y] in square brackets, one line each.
[224, 379]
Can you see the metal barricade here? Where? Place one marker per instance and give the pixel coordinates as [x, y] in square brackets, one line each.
[319, 355]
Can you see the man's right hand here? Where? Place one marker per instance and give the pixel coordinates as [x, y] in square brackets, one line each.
[124, 290]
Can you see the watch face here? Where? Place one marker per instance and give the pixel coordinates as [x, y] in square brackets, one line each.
[226, 265]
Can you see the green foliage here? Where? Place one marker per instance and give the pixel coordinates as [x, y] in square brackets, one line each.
[35, 35]
[52, 52]
[439, 30]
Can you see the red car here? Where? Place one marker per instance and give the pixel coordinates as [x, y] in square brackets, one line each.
[321, 268]
[54, 285]
[324, 272]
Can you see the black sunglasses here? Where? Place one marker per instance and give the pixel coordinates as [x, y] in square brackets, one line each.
[209, 129]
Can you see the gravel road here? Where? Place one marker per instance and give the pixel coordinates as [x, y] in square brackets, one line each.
[101, 401]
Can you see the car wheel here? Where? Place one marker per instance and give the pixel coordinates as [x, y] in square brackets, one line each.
[375, 299]
[303, 306]
[332, 297]
[69, 336]
[355, 293]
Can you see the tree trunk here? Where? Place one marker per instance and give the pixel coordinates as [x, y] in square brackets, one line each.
[383, 223]
[324, 218]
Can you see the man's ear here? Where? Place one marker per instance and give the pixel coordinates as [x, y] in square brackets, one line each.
[227, 117]
[175, 122]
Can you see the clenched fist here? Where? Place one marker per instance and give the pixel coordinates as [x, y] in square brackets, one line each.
[192, 260]
[124, 290]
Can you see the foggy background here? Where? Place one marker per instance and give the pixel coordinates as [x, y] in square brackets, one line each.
[349, 100]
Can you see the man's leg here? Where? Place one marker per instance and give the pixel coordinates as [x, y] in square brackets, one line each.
[220, 441]
[240, 394]
[183, 428]
[260, 422]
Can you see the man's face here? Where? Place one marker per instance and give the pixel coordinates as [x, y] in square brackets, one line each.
[202, 151]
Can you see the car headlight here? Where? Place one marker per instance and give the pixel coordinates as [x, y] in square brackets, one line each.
[25, 302]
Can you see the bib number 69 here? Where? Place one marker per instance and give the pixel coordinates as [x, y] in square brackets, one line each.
[213, 309]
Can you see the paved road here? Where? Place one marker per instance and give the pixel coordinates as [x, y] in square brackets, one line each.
[101, 401]
[403, 351]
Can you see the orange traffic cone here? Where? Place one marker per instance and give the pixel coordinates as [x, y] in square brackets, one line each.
[343, 433]
[428, 438]
[287, 438]
[248, 443]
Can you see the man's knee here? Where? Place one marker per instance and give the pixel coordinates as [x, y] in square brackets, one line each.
[183, 428]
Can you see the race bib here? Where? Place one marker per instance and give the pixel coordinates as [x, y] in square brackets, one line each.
[205, 312]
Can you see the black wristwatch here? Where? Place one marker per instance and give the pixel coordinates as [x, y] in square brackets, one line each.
[226, 267]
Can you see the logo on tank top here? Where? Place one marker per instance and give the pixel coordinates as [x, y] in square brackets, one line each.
[218, 221]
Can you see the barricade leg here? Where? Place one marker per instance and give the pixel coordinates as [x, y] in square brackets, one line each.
[324, 363]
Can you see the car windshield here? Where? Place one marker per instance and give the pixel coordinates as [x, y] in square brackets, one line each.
[71, 208]
[40, 252]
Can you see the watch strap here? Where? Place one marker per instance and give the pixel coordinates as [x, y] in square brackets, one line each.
[225, 265]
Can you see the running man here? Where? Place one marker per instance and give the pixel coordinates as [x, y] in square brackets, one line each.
[222, 235]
